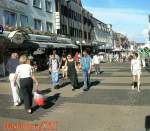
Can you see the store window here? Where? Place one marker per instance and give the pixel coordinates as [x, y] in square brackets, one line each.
[48, 5]
[37, 24]
[37, 3]
[49, 27]
[22, 1]
[23, 20]
[10, 18]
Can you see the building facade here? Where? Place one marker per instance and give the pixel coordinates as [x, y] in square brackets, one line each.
[120, 41]
[102, 34]
[35, 14]
[75, 21]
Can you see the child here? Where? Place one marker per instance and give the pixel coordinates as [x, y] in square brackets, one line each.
[54, 69]
[136, 71]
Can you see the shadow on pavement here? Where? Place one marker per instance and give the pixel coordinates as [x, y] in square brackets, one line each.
[95, 83]
[64, 84]
[46, 91]
[80, 84]
[49, 102]
[101, 72]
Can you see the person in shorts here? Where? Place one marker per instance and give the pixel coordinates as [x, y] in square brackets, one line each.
[136, 71]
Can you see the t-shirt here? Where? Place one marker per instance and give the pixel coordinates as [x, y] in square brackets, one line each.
[85, 63]
[54, 65]
[24, 71]
[96, 59]
[12, 65]
[136, 64]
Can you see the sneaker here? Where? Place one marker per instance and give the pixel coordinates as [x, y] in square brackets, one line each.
[133, 87]
[73, 89]
[29, 111]
[16, 104]
[85, 89]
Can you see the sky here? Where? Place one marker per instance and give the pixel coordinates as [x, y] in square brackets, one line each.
[129, 17]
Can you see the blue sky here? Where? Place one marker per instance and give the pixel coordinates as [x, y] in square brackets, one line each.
[129, 17]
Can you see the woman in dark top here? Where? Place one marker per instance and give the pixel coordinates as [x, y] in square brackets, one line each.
[64, 66]
[72, 73]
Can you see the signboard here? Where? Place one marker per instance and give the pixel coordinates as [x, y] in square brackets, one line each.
[57, 20]
[1, 29]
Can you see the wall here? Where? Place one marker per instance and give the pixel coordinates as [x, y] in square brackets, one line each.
[28, 10]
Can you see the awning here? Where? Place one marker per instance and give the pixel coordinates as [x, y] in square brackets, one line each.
[117, 50]
[55, 45]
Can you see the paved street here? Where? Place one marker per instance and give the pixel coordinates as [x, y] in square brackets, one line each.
[109, 105]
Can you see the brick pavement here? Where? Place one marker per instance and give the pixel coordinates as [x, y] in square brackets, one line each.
[110, 104]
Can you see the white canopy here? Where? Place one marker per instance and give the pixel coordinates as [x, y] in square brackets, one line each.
[56, 45]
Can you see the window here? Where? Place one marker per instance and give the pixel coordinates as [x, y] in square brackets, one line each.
[49, 27]
[48, 5]
[23, 20]
[10, 18]
[23, 1]
[37, 3]
[37, 24]
[62, 9]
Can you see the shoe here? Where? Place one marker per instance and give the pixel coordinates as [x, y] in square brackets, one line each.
[73, 89]
[16, 104]
[56, 87]
[29, 111]
[85, 89]
[135, 84]
[133, 87]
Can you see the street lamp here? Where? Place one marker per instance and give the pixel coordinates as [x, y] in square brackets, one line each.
[80, 45]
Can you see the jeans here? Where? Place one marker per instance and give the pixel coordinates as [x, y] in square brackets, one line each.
[55, 78]
[86, 77]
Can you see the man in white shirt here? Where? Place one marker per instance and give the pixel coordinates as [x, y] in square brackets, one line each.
[96, 60]
[11, 66]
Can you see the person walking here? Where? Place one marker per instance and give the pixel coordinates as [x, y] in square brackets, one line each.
[56, 56]
[11, 66]
[136, 71]
[86, 66]
[54, 69]
[24, 72]
[77, 59]
[72, 72]
[64, 66]
[96, 61]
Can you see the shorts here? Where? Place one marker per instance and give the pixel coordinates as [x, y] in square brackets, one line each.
[136, 72]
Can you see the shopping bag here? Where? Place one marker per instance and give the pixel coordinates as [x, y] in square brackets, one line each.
[39, 99]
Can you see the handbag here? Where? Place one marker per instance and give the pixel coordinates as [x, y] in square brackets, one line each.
[39, 99]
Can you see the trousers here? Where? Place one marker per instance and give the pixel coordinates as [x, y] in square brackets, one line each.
[14, 88]
[26, 86]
